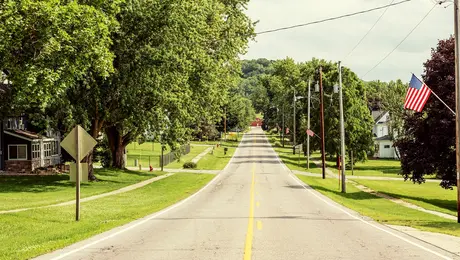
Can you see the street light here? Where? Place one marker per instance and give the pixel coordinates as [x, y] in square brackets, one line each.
[295, 98]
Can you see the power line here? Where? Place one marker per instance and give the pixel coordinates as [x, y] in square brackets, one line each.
[332, 18]
[401, 42]
[365, 35]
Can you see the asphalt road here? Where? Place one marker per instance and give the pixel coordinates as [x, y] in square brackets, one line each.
[254, 209]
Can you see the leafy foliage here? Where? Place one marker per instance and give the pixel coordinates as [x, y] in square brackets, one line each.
[190, 165]
[427, 143]
[276, 86]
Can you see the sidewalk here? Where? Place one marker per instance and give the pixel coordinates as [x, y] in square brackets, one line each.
[201, 155]
[122, 190]
[177, 170]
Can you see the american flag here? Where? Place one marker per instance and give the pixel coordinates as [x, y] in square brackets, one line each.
[417, 95]
[310, 132]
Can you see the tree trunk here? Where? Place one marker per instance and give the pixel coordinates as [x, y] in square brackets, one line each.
[96, 126]
[117, 147]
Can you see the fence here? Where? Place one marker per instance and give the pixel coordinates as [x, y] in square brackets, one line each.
[171, 157]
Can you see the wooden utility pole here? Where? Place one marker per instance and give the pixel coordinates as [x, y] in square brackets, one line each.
[342, 132]
[308, 125]
[323, 155]
[457, 102]
[225, 124]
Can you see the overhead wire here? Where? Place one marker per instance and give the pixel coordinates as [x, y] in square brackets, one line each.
[402, 41]
[332, 18]
[369, 31]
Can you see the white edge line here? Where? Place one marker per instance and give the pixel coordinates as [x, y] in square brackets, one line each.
[292, 175]
[148, 218]
[136, 224]
[367, 222]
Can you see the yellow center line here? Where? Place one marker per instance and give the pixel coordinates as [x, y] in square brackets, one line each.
[249, 234]
[259, 225]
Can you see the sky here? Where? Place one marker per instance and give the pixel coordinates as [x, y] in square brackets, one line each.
[334, 40]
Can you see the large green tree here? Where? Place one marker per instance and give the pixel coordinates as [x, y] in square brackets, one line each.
[427, 144]
[47, 46]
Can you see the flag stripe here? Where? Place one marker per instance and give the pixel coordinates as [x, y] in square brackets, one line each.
[418, 99]
[424, 99]
[409, 96]
[417, 95]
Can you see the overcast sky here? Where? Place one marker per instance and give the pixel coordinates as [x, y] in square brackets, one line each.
[334, 40]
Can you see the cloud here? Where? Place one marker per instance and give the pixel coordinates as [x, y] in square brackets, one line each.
[334, 40]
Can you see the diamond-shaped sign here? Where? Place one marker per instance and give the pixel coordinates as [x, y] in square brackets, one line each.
[87, 142]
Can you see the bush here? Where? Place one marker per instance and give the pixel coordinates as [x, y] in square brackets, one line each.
[189, 165]
[277, 144]
[273, 131]
[273, 140]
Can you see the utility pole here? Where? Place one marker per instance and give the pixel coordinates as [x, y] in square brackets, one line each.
[457, 102]
[293, 104]
[342, 131]
[283, 128]
[323, 155]
[225, 124]
[308, 125]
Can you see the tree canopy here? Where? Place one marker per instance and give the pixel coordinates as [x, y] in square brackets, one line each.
[125, 68]
[427, 142]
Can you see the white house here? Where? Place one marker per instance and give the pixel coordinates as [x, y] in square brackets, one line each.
[383, 144]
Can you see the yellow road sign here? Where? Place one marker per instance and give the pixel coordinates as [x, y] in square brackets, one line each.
[87, 142]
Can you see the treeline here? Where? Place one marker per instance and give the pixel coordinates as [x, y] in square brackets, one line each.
[125, 68]
[425, 141]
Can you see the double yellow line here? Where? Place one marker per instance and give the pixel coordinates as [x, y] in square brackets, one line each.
[250, 232]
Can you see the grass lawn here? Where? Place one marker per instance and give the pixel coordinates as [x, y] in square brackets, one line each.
[33, 191]
[380, 168]
[31, 233]
[428, 195]
[381, 209]
[194, 151]
[145, 152]
[217, 160]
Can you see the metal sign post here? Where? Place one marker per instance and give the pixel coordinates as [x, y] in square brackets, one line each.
[78, 143]
[78, 172]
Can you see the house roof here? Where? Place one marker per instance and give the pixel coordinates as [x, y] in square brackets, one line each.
[23, 134]
[383, 138]
[377, 119]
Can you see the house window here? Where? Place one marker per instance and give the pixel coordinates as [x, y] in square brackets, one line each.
[47, 149]
[35, 151]
[386, 146]
[17, 152]
[54, 148]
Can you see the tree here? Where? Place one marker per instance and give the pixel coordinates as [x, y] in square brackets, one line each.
[427, 143]
[287, 77]
[46, 46]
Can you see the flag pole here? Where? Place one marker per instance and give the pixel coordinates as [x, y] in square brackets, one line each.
[453, 112]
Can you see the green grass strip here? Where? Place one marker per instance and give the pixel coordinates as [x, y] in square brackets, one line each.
[31, 233]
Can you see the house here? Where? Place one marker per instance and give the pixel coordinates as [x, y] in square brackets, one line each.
[23, 150]
[384, 147]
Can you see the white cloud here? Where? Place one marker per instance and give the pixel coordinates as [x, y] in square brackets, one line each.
[334, 40]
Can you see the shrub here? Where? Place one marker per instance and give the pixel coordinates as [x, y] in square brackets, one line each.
[272, 140]
[273, 131]
[189, 165]
[277, 144]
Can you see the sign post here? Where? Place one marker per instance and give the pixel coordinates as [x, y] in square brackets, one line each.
[78, 143]
[78, 172]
